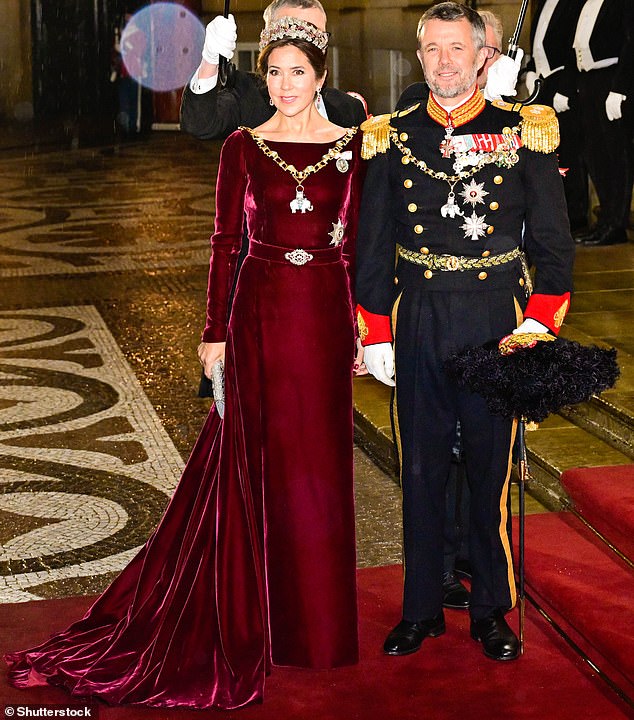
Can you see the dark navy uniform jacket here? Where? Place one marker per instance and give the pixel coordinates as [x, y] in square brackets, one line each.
[502, 208]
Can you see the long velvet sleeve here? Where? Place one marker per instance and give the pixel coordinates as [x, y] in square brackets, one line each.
[351, 219]
[227, 238]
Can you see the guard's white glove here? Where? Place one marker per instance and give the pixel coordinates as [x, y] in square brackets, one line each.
[502, 76]
[529, 81]
[560, 103]
[530, 325]
[613, 104]
[379, 360]
[221, 36]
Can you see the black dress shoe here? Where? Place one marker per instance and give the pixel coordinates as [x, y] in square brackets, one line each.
[407, 637]
[499, 642]
[606, 236]
[455, 594]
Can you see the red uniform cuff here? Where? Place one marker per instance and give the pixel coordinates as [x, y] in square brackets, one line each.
[549, 310]
[373, 328]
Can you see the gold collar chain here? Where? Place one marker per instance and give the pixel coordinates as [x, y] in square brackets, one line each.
[300, 175]
[436, 174]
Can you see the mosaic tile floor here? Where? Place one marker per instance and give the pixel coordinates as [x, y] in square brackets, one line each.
[103, 263]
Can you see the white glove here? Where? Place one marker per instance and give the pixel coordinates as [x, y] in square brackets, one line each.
[379, 360]
[529, 81]
[221, 36]
[502, 76]
[613, 106]
[560, 103]
[531, 325]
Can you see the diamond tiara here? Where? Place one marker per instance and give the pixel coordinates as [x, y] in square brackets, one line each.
[290, 27]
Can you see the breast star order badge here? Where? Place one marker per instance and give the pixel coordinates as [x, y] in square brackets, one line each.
[337, 232]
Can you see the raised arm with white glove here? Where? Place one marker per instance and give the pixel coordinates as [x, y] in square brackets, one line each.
[502, 76]
[379, 360]
[613, 104]
[221, 37]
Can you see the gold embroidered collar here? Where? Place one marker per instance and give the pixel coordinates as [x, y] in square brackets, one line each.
[461, 115]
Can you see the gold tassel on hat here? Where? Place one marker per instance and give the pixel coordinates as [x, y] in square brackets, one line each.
[376, 136]
[540, 128]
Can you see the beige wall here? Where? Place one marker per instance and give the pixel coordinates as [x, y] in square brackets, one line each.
[15, 60]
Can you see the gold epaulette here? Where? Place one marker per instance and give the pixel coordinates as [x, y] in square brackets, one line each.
[540, 127]
[376, 132]
[376, 135]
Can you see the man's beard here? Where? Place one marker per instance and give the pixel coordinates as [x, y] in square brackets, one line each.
[463, 84]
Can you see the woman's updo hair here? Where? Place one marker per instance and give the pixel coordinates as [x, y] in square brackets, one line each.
[315, 56]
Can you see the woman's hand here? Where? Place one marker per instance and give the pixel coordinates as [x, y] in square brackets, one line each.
[209, 353]
[359, 367]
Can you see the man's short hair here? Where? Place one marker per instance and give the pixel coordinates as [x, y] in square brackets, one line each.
[276, 5]
[451, 12]
[495, 23]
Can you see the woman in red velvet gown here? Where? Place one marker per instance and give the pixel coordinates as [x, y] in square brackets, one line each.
[253, 563]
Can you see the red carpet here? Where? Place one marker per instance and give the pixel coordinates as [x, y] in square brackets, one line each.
[605, 498]
[448, 679]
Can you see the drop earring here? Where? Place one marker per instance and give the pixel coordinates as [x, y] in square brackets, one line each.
[271, 103]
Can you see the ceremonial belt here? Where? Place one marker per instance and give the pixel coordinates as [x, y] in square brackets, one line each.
[451, 263]
[297, 256]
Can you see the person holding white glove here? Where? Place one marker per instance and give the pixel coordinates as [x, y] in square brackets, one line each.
[604, 52]
[221, 36]
[498, 76]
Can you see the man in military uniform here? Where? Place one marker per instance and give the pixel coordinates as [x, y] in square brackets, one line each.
[455, 183]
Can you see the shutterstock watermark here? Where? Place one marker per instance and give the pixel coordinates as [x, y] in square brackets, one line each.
[89, 712]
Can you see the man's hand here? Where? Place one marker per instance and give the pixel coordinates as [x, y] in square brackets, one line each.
[531, 326]
[502, 76]
[613, 106]
[529, 81]
[560, 103]
[379, 359]
[221, 36]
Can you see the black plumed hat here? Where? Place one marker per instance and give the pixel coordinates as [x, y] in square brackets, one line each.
[534, 378]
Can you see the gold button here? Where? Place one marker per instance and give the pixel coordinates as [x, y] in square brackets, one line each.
[424, 251]
[403, 136]
[428, 274]
[482, 276]
[412, 207]
[494, 205]
[396, 281]
[405, 160]
[490, 229]
[408, 183]
[521, 282]
[486, 253]
[418, 229]
[498, 179]
[506, 131]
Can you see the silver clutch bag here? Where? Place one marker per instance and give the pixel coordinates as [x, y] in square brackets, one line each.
[218, 386]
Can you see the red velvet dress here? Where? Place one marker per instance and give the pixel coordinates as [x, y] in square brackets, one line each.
[253, 563]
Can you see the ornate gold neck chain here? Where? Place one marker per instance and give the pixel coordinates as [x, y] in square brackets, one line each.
[301, 202]
[436, 174]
